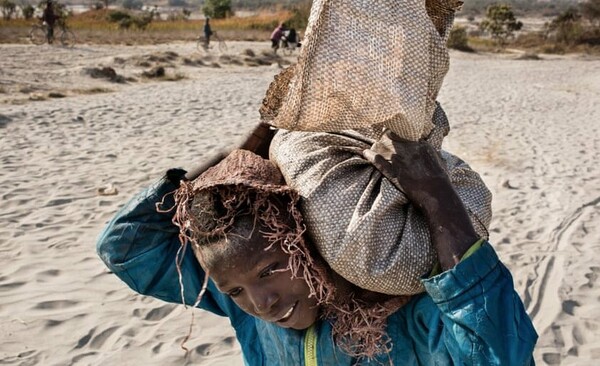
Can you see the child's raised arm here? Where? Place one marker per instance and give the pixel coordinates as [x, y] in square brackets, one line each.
[140, 244]
[484, 320]
[416, 168]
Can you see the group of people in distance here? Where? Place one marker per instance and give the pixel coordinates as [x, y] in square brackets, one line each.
[284, 37]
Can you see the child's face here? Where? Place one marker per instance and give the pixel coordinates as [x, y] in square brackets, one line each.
[259, 282]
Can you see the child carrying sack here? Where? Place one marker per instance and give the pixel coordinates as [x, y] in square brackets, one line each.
[367, 65]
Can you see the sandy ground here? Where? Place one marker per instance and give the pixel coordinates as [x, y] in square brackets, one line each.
[531, 128]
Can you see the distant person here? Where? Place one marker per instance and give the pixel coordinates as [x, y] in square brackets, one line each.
[49, 17]
[289, 38]
[276, 36]
[207, 32]
[154, 12]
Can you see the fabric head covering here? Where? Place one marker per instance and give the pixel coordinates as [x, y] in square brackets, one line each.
[369, 63]
[244, 183]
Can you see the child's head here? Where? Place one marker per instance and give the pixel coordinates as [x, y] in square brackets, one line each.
[247, 233]
[257, 277]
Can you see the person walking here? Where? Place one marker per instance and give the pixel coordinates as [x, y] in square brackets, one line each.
[49, 17]
[287, 305]
[276, 36]
[207, 32]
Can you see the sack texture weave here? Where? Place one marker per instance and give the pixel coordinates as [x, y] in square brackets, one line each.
[364, 227]
[369, 63]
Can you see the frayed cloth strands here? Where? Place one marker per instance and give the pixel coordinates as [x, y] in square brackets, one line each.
[243, 183]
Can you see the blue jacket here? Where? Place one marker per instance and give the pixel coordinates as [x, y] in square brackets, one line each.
[470, 315]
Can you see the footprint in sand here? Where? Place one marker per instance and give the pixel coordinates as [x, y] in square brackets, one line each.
[85, 339]
[99, 340]
[159, 313]
[82, 356]
[592, 277]
[56, 304]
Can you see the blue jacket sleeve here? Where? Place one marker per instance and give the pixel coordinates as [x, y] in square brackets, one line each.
[484, 320]
[139, 245]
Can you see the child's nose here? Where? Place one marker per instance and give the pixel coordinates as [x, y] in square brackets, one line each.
[263, 301]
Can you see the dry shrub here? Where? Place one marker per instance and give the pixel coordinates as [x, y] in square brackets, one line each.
[530, 40]
[94, 27]
[107, 73]
[459, 40]
[529, 57]
[483, 44]
[155, 72]
[248, 52]
[553, 48]
[56, 95]
[90, 91]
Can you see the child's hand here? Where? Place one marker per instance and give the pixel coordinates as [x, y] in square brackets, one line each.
[415, 167]
[259, 140]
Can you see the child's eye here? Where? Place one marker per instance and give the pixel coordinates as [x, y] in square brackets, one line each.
[268, 271]
[234, 292]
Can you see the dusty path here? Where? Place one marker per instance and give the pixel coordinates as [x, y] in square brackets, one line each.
[32, 73]
[533, 129]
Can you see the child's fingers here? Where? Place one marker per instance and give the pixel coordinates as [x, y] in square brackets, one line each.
[384, 166]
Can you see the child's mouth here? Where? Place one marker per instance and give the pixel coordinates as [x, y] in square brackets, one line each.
[288, 314]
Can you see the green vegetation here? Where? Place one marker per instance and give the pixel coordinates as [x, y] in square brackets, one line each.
[566, 28]
[133, 4]
[27, 11]
[500, 23]
[217, 9]
[8, 9]
[126, 20]
[458, 39]
[521, 7]
[179, 3]
[300, 14]
[591, 11]
[575, 29]
[116, 16]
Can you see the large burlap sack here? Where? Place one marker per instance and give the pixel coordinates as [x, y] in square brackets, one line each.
[369, 63]
[364, 227]
[366, 65]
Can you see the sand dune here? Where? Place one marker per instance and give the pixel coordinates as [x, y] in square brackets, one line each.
[531, 128]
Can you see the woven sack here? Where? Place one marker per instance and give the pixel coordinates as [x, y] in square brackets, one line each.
[369, 63]
[364, 227]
